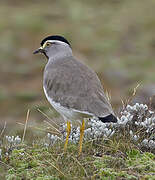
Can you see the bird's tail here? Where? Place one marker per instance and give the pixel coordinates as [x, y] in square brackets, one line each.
[108, 119]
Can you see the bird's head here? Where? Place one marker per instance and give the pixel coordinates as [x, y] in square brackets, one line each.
[52, 45]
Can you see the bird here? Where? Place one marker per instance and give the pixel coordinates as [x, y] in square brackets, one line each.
[71, 87]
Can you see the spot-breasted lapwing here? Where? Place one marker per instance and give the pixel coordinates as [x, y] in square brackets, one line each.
[72, 88]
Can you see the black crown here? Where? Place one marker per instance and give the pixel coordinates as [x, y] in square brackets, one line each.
[55, 37]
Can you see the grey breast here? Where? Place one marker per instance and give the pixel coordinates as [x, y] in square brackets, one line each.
[74, 85]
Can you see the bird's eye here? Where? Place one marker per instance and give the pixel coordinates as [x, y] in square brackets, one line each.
[48, 44]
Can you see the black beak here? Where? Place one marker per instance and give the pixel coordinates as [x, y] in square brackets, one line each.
[40, 50]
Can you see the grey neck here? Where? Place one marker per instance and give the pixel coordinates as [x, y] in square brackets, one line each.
[59, 52]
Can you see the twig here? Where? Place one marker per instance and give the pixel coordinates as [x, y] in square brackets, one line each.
[3, 129]
[81, 166]
[44, 130]
[47, 117]
[56, 168]
[52, 126]
[108, 95]
[6, 164]
[27, 117]
[133, 94]
[41, 163]
[123, 104]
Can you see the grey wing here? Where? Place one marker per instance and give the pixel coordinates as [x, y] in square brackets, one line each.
[76, 86]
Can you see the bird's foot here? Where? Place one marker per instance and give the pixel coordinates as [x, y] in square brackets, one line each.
[81, 136]
[68, 133]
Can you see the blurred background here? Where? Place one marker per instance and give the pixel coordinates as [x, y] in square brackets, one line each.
[116, 38]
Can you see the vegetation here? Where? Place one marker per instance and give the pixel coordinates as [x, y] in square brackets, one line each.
[100, 160]
[125, 152]
[116, 39]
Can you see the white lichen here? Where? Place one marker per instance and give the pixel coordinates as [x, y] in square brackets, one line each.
[136, 118]
[12, 140]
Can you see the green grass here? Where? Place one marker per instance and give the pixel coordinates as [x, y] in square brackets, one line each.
[101, 159]
[114, 37]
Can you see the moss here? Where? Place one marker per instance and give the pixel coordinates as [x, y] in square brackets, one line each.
[38, 162]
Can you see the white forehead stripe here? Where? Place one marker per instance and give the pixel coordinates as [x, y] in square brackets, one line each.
[56, 41]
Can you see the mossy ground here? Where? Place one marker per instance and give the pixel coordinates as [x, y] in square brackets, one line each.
[117, 39]
[114, 37]
[100, 159]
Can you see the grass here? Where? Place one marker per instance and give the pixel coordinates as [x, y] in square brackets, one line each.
[101, 159]
[116, 157]
[115, 38]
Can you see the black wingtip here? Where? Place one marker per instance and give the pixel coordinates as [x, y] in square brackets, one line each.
[108, 119]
